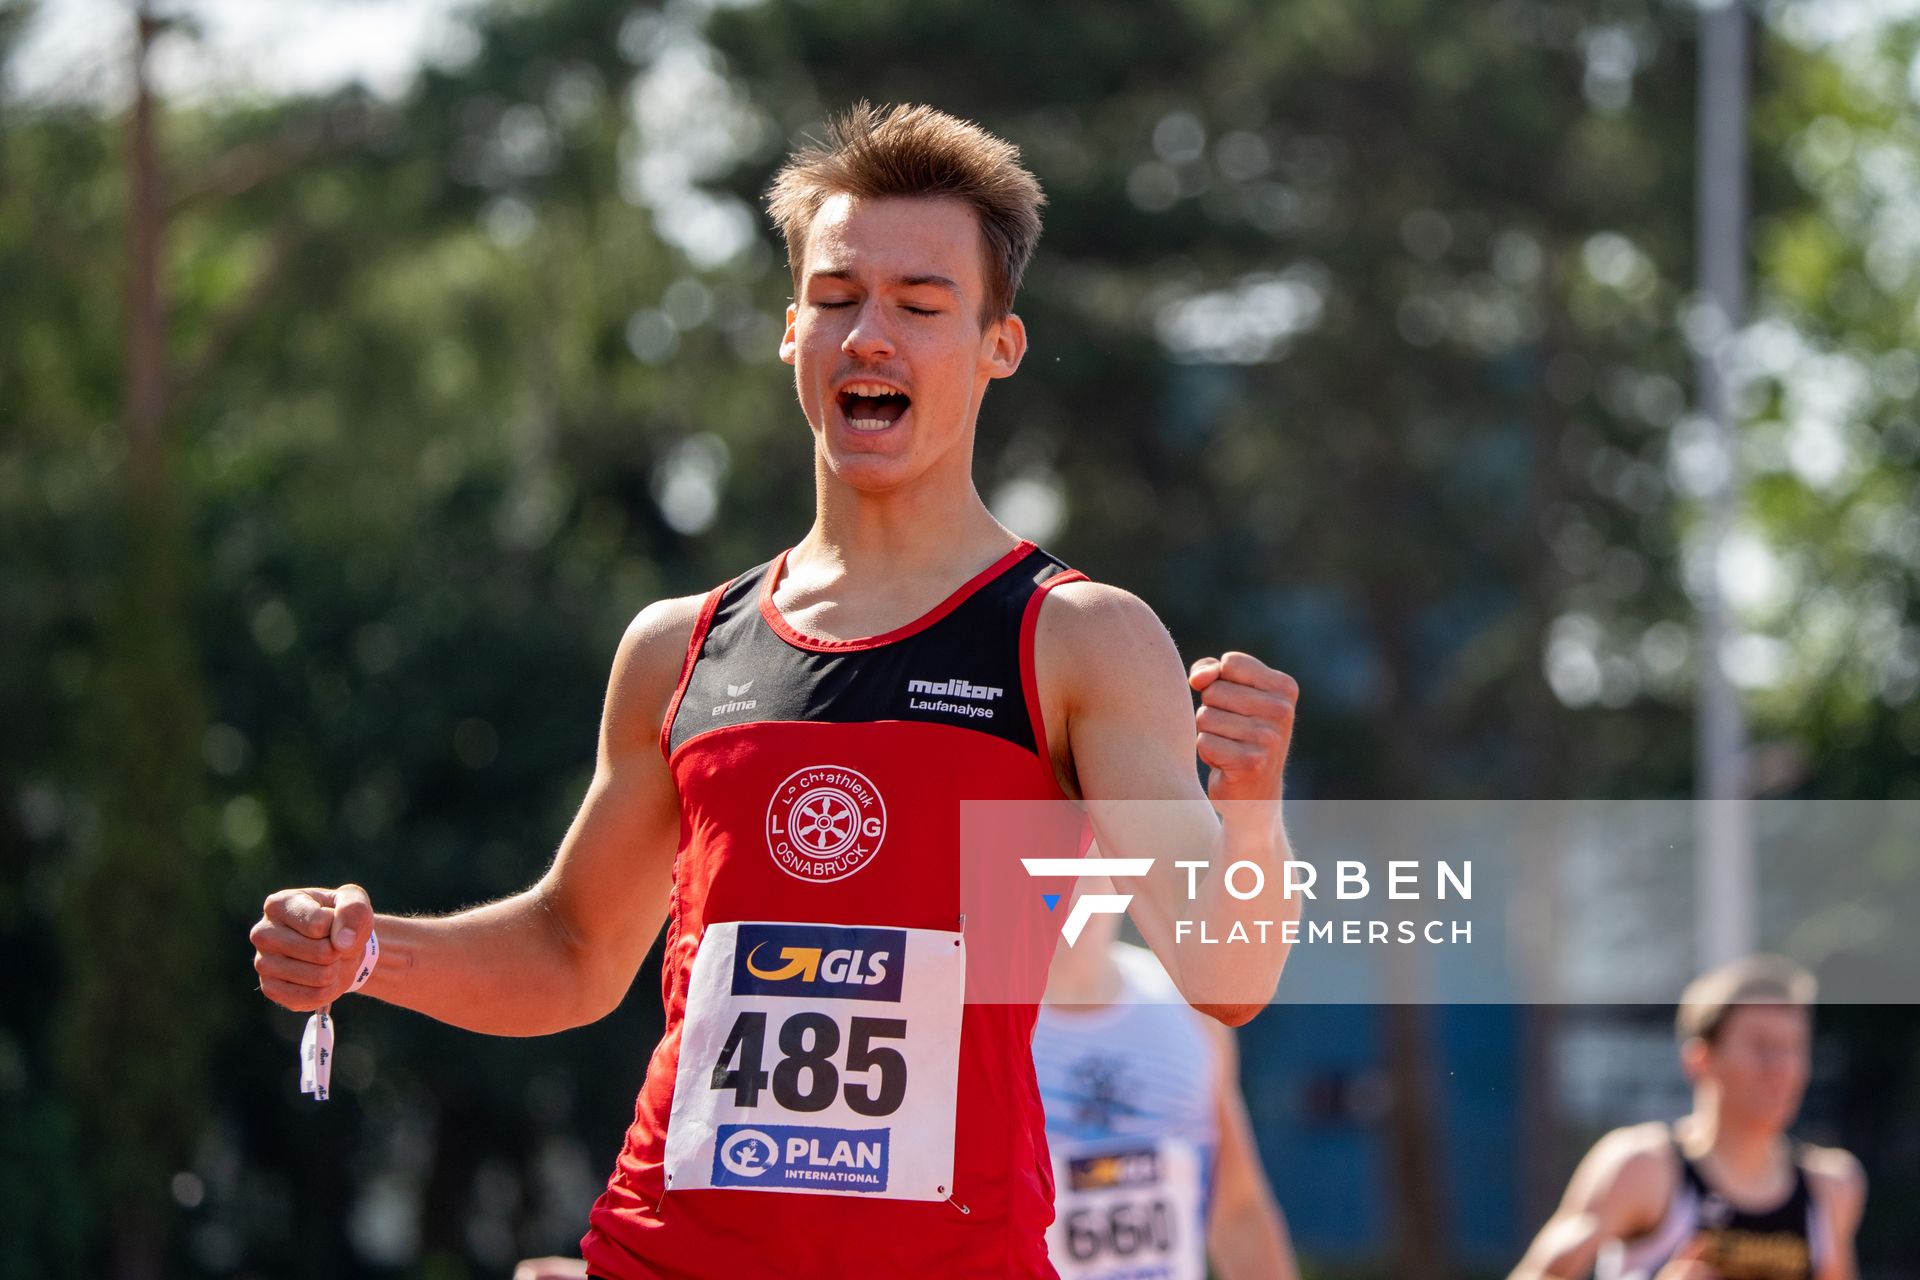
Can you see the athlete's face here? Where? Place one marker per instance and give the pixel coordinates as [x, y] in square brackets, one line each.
[1760, 1060]
[889, 354]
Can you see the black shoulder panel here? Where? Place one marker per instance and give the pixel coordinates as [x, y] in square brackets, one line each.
[963, 670]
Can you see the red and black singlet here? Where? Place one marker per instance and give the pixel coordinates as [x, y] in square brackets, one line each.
[816, 1044]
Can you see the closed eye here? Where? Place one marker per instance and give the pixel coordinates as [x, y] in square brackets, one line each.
[920, 311]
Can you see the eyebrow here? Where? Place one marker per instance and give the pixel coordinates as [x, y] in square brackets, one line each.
[903, 282]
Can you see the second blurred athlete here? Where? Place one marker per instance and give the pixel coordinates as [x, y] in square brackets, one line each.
[1155, 1167]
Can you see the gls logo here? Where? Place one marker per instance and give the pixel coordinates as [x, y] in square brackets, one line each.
[811, 961]
[839, 966]
[1087, 905]
[1135, 1167]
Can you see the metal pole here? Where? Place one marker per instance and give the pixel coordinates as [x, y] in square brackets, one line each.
[1726, 914]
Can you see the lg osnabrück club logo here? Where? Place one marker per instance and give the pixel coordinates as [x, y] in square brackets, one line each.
[1087, 905]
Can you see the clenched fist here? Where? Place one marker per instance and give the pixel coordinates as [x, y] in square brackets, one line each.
[307, 944]
[1244, 725]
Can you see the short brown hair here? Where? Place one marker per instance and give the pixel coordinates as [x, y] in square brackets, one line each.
[1709, 998]
[917, 151]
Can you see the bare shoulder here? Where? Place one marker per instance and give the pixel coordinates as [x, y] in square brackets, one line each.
[1637, 1142]
[646, 668]
[1834, 1164]
[1096, 634]
[1836, 1174]
[658, 634]
[1619, 1192]
[1098, 613]
[1633, 1169]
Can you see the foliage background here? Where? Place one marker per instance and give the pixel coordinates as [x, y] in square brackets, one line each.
[1361, 341]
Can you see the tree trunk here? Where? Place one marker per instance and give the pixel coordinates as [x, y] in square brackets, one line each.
[146, 390]
[1414, 1177]
[1544, 776]
[135, 924]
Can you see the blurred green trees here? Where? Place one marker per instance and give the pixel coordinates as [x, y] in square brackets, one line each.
[1360, 340]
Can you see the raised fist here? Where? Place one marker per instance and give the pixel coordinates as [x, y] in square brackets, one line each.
[307, 944]
[1244, 724]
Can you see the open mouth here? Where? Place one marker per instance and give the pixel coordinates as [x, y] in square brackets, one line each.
[872, 406]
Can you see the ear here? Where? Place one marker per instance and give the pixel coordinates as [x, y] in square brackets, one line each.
[1695, 1057]
[789, 344]
[1006, 346]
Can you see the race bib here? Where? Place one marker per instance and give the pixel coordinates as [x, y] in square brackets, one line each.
[819, 1058]
[1128, 1212]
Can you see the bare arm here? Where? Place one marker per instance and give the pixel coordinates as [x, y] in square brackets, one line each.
[1840, 1192]
[1246, 1233]
[550, 1269]
[1616, 1193]
[555, 955]
[1132, 734]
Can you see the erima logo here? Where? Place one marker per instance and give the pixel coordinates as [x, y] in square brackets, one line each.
[737, 700]
[816, 961]
[1087, 905]
[955, 688]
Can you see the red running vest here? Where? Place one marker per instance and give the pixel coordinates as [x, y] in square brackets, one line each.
[820, 784]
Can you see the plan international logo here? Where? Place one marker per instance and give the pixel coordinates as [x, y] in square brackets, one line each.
[800, 1157]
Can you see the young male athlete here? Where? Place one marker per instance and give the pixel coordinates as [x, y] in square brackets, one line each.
[1723, 1193]
[780, 774]
[1155, 1166]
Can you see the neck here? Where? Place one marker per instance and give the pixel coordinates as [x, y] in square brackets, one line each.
[932, 523]
[1746, 1152]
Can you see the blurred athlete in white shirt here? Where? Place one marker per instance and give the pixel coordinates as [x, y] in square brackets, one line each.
[1155, 1167]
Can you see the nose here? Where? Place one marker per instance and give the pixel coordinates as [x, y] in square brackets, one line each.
[869, 339]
